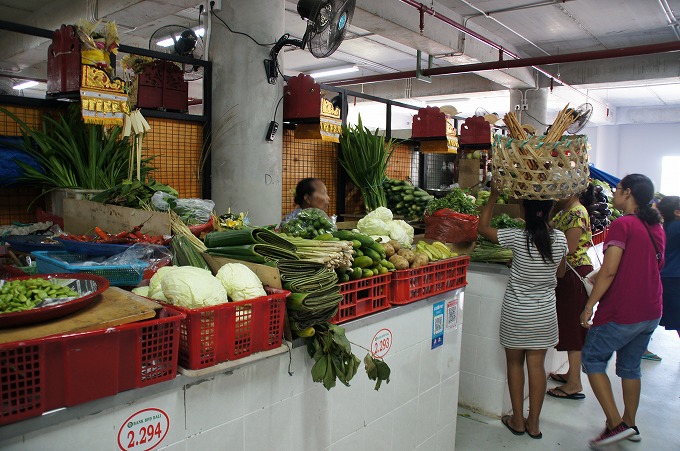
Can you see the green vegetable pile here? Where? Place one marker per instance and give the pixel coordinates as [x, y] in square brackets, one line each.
[369, 257]
[133, 193]
[456, 200]
[504, 221]
[20, 295]
[489, 252]
[483, 198]
[405, 199]
[309, 223]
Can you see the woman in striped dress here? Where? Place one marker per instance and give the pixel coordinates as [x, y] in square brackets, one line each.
[528, 315]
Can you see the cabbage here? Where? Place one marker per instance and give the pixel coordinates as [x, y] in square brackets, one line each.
[141, 291]
[155, 290]
[380, 222]
[408, 229]
[192, 287]
[240, 282]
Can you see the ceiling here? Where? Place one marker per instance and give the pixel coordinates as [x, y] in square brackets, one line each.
[385, 35]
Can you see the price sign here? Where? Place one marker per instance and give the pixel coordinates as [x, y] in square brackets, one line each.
[382, 342]
[144, 430]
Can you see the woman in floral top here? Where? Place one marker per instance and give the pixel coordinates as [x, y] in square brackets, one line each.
[572, 219]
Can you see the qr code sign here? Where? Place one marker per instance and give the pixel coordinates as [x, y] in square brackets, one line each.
[438, 324]
[451, 315]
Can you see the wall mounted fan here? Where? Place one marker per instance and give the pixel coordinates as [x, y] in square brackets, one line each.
[183, 41]
[582, 114]
[327, 22]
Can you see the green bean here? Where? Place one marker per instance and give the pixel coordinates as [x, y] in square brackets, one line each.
[19, 295]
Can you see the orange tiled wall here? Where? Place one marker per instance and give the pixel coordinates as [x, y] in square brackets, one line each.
[176, 145]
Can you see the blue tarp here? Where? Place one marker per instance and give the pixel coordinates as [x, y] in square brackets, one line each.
[603, 176]
[10, 171]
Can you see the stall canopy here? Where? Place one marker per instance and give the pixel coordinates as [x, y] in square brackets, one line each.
[603, 176]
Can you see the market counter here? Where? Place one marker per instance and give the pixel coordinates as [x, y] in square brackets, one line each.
[483, 381]
[258, 405]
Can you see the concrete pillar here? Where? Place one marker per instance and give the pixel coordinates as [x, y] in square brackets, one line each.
[246, 169]
[537, 107]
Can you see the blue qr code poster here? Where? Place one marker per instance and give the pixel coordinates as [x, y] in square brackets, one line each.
[437, 324]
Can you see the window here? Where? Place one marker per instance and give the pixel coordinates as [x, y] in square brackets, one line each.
[670, 182]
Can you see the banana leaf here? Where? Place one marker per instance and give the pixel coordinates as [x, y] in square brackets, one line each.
[247, 235]
[303, 320]
[314, 300]
[299, 268]
[320, 281]
[257, 253]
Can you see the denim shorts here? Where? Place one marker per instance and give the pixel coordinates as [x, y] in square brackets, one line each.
[628, 340]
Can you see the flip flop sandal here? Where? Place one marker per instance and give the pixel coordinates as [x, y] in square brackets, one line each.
[504, 420]
[534, 436]
[651, 356]
[558, 378]
[551, 392]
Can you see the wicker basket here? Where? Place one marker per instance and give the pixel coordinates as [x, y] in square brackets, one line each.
[532, 169]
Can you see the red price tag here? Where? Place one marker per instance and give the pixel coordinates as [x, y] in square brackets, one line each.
[381, 344]
[144, 430]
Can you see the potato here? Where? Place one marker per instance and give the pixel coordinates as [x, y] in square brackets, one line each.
[395, 245]
[408, 254]
[399, 262]
[420, 260]
[389, 250]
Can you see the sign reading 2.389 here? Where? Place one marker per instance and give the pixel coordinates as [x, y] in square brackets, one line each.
[144, 430]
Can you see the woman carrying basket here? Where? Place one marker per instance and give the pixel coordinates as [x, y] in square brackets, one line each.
[528, 319]
[628, 290]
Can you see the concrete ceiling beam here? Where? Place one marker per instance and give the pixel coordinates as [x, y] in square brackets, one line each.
[401, 23]
[620, 70]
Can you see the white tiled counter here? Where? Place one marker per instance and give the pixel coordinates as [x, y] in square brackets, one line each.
[483, 381]
[258, 406]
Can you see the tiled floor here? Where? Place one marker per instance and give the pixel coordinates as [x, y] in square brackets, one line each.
[569, 424]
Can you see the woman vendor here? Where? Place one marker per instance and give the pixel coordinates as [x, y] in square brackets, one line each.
[309, 193]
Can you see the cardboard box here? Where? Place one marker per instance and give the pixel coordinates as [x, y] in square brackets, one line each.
[82, 216]
[268, 275]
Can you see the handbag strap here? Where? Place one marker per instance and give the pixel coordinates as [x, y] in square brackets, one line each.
[581, 278]
[656, 249]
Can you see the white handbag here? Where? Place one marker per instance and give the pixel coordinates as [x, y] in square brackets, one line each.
[589, 279]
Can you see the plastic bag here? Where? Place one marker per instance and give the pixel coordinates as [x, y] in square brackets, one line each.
[309, 223]
[450, 226]
[191, 211]
[151, 256]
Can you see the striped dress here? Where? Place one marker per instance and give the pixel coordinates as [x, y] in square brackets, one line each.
[528, 315]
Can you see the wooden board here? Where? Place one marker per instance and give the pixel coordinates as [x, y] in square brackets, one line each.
[268, 275]
[115, 307]
[82, 216]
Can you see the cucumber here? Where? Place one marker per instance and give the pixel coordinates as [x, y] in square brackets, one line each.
[368, 252]
[420, 193]
[363, 262]
[387, 264]
[356, 244]
[345, 235]
[408, 198]
[356, 273]
[365, 240]
[378, 248]
[367, 273]
[359, 252]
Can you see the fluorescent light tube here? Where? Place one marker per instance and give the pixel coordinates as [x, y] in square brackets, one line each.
[328, 73]
[26, 85]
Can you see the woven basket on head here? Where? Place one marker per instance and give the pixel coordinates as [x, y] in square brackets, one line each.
[533, 169]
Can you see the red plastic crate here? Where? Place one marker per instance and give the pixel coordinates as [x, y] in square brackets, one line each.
[362, 297]
[410, 285]
[43, 374]
[212, 335]
[599, 237]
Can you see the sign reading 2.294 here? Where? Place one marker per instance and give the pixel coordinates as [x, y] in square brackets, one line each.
[144, 430]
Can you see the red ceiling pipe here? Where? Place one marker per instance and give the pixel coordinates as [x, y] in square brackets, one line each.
[524, 62]
[424, 9]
